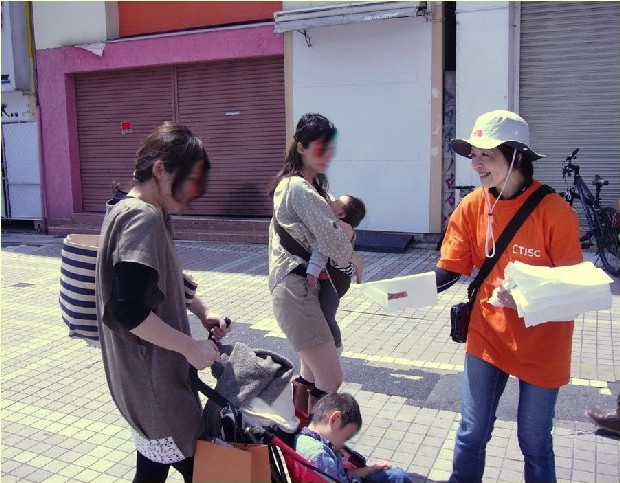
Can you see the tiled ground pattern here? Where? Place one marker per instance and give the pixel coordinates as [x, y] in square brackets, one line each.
[58, 422]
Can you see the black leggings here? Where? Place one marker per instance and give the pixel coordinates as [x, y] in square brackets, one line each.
[148, 471]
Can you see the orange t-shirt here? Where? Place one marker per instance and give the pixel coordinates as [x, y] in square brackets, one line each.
[539, 355]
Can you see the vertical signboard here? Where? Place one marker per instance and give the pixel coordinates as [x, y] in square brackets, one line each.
[8, 65]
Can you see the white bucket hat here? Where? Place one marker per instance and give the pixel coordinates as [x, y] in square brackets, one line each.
[494, 128]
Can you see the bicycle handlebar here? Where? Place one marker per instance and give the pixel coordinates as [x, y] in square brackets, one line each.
[568, 167]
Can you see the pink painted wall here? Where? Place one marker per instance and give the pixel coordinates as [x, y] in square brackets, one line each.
[57, 93]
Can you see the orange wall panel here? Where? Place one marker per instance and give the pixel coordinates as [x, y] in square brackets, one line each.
[137, 18]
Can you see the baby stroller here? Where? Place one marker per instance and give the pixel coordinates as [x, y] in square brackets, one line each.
[286, 465]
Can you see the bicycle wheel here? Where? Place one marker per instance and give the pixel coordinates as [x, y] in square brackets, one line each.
[587, 222]
[607, 240]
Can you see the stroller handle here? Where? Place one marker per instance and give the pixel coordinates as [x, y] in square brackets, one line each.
[201, 386]
[227, 321]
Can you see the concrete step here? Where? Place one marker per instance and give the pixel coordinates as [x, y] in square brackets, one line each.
[236, 236]
[231, 225]
[64, 230]
[95, 219]
[242, 230]
[185, 228]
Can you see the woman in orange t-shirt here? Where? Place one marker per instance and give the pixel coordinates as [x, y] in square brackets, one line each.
[498, 343]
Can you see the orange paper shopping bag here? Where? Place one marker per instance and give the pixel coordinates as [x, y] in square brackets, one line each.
[221, 463]
[260, 471]
[218, 462]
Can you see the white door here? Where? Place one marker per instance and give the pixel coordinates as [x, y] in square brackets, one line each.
[23, 181]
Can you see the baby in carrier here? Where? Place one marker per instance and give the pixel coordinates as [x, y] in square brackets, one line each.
[349, 211]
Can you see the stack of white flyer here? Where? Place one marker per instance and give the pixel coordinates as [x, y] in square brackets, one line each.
[544, 294]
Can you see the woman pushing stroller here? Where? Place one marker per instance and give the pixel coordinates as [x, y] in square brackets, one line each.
[144, 329]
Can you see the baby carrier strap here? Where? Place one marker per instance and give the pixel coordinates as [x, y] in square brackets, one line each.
[341, 280]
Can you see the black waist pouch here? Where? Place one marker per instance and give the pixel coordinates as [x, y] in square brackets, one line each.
[459, 321]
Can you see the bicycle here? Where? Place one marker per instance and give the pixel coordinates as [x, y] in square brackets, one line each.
[602, 221]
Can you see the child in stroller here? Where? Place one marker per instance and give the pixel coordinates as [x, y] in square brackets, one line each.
[334, 420]
[236, 424]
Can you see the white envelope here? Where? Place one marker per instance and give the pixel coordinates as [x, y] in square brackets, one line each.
[410, 291]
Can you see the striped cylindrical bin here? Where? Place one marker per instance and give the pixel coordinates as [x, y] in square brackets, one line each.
[77, 285]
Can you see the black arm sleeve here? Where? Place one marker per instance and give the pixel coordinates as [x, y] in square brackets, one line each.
[445, 278]
[128, 294]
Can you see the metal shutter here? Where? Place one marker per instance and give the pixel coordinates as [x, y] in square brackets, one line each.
[569, 88]
[237, 108]
[143, 97]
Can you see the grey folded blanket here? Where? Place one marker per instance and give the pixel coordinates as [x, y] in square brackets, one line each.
[246, 373]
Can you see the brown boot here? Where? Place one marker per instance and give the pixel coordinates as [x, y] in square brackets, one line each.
[301, 392]
[606, 421]
[311, 403]
[315, 395]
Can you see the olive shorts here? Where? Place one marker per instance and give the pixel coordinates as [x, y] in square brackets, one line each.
[298, 311]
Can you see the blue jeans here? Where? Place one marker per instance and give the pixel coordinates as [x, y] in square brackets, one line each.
[393, 475]
[483, 385]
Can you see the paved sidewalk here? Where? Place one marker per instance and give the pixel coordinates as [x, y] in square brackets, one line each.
[59, 423]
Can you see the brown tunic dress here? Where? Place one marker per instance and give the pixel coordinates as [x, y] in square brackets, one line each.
[150, 385]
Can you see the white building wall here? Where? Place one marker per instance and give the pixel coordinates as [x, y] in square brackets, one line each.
[485, 69]
[58, 24]
[373, 80]
[21, 186]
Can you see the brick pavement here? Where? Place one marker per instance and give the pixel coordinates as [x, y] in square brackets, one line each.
[59, 423]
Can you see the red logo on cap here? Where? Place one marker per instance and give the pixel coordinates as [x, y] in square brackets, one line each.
[478, 133]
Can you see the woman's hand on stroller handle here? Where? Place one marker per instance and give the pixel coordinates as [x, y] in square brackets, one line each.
[217, 326]
[202, 353]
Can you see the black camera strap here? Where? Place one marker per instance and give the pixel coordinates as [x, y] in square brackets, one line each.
[506, 236]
